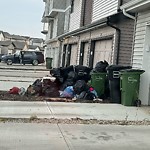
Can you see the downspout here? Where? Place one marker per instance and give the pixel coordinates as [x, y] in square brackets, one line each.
[128, 15]
[119, 34]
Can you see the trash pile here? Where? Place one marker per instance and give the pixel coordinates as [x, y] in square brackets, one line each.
[72, 82]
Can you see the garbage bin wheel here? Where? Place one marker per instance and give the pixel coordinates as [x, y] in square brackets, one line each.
[35, 62]
[9, 62]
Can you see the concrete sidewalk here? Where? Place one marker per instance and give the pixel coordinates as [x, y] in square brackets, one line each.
[59, 110]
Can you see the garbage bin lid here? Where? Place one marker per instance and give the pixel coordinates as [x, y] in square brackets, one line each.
[132, 70]
[118, 67]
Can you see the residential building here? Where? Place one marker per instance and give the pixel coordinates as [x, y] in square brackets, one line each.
[141, 48]
[93, 31]
[53, 20]
[33, 48]
[36, 42]
[5, 36]
[6, 47]
[19, 46]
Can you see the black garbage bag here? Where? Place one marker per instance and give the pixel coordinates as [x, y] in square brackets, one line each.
[80, 86]
[68, 82]
[64, 71]
[56, 72]
[35, 88]
[101, 66]
[51, 91]
[83, 73]
[86, 95]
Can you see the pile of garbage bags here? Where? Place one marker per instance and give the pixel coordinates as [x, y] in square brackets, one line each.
[68, 82]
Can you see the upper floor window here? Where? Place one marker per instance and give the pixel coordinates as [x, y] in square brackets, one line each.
[72, 6]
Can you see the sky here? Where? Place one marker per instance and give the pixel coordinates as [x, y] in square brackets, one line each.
[22, 17]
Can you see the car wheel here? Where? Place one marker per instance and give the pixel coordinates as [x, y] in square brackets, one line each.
[35, 62]
[9, 62]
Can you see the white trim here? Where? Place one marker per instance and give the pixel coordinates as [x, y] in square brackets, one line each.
[60, 10]
[128, 15]
[134, 4]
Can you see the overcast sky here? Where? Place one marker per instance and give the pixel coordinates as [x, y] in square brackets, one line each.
[22, 17]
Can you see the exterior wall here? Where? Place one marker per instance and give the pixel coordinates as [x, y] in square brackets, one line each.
[59, 4]
[75, 17]
[87, 37]
[126, 41]
[104, 8]
[1, 37]
[143, 18]
[55, 25]
[86, 14]
[60, 24]
[67, 20]
[141, 56]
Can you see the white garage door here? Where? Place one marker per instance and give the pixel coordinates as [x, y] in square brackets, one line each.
[85, 56]
[74, 54]
[103, 51]
[55, 56]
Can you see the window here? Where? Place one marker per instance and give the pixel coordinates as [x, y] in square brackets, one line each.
[72, 6]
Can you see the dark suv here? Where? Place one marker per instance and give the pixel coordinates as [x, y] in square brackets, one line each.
[25, 57]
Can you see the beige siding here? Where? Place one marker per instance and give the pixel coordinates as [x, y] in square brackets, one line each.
[104, 8]
[75, 17]
[143, 19]
[126, 41]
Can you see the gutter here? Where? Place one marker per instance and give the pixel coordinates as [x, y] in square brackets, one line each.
[128, 15]
[119, 34]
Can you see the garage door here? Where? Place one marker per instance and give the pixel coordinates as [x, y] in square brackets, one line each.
[55, 56]
[74, 54]
[103, 51]
[85, 55]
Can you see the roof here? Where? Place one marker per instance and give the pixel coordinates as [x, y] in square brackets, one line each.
[18, 45]
[6, 35]
[18, 37]
[5, 43]
[37, 40]
[32, 46]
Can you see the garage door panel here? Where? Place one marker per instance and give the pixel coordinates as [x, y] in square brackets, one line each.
[86, 53]
[73, 58]
[103, 51]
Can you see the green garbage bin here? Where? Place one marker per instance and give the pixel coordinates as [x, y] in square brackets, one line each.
[49, 62]
[129, 86]
[98, 83]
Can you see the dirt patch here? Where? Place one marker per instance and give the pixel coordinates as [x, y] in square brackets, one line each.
[73, 121]
[6, 96]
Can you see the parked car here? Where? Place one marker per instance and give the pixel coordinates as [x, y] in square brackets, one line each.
[24, 57]
[1, 57]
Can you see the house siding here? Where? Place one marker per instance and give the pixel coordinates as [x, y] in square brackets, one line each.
[126, 41]
[86, 15]
[75, 17]
[143, 19]
[104, 8]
